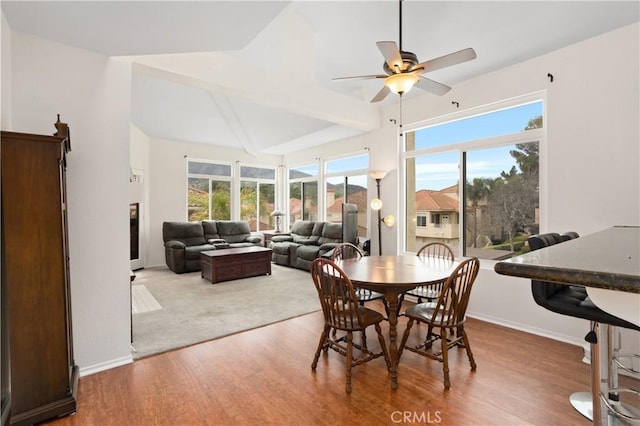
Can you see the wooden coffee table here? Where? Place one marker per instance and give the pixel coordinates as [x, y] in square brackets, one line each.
[234, 263]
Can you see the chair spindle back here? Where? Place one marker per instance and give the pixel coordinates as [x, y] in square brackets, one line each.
[337, 295]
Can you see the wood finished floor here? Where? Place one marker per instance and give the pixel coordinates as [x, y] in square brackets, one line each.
[263, 377]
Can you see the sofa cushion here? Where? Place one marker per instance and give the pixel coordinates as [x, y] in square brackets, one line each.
[281, 248]
[281, 238]
[190, 233]
[193, 252]
[233, 231]
[316, 233]
[210, 228]
[331, 233]
[302, 229]
[309, 252]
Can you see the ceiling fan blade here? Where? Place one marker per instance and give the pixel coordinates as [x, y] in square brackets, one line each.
[362, 77]
[381, 94]
[446, 60]
[432, 86]
[391, 53]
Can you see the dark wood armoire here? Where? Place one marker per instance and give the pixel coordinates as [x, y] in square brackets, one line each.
[35, 269]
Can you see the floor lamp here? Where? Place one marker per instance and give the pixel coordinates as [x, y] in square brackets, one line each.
[376, 204]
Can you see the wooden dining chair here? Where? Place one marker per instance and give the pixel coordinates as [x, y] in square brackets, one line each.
[448, 314]
[343, 312]
[432, 291]
[351, 251]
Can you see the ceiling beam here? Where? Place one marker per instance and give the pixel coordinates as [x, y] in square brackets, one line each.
[224, 74]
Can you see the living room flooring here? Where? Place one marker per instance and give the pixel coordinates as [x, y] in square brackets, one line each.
[263, 376]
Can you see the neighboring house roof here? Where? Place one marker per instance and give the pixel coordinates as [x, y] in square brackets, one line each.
[197, 191]
[295, 206]
[253, 224]
[453, 189]
[429, 200]
[358, 198]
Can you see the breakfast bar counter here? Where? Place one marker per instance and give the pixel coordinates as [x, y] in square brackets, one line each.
[608, 259]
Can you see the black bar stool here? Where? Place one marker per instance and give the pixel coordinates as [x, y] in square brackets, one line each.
[572, 300]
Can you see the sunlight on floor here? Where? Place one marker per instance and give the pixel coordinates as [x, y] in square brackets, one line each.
[142, 300]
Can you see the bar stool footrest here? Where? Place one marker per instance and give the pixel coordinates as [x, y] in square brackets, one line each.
[628, 369]
[621, 409]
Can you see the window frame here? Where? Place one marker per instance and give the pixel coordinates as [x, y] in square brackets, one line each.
[533, 135]
[322, 178]
[221, 178]
[258, 182]
[302, 181]
[345, 175]
[234, 183]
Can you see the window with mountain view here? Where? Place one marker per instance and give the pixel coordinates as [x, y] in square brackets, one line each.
[496, 154]
[303, 193]
[257, 197]
[346, 182]
[208, 191]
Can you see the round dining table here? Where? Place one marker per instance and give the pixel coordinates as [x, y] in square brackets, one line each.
[391, 276]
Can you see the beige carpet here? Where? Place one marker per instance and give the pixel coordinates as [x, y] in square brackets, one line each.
[177, 310]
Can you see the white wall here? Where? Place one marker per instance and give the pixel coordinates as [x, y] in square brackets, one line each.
[5, 75]
[92, 93]
[589, 164]
[167, 183]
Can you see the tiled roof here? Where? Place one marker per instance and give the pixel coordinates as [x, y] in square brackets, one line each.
[429, 200]
[358, 198]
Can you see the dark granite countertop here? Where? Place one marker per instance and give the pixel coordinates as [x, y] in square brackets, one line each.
[607, 259]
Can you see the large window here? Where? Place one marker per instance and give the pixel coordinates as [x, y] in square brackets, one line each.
[496, 155]
[208, 191]
[257, 197]
[346, 182]
[222, 191]
[303, 193]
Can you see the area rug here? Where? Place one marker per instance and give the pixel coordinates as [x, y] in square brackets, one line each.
[192, 310]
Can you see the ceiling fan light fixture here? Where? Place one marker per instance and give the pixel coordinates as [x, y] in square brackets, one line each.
[400, 83]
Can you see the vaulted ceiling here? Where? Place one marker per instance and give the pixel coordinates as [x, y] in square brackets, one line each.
[257, 75]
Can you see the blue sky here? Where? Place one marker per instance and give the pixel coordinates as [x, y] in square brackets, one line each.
[441, 170]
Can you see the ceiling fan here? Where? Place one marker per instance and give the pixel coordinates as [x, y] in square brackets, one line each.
[403, 70]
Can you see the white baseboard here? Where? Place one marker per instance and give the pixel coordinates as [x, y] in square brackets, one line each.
[96, 368]
[533, 330]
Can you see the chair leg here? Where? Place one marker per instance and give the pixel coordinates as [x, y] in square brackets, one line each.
[383, 345]
[323, 339]
[364, 340]
[465, 339]
[405, 336]
[386, 307]
[445, 358]
[399, 306]
[349, 360]
[427, 341]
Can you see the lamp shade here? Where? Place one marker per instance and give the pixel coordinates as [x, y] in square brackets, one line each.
[376, 204]
[401, 83]
[377, 174]
[277, 213]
